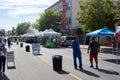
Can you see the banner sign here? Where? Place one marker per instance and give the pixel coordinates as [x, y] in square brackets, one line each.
[64, 14]
[36, 48]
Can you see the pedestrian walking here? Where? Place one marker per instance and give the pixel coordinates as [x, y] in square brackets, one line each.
[5, 41]
[76, 53]
[9, 42]
[2, 56]
[94, 48]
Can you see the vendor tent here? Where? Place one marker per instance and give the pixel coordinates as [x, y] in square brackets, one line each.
[50, 32]
[28, 35]
[33, 34]
[101, 32]
[104, 32]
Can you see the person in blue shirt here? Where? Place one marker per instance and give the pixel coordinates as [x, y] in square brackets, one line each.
[76, 53]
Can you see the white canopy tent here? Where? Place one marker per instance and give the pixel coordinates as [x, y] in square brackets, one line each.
[33, 34]
[50, 32]
[28, 35]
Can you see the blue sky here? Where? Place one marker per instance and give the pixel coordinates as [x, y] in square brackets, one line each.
[13, 12]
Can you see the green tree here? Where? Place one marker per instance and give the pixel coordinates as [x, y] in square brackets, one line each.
[96, 14]
[2, 31]
[49, 19]
[13, 32]
[22, 28]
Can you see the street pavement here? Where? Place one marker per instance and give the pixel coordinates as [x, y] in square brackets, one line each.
[39, 67]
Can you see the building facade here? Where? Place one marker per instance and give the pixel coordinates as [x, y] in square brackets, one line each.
[69, 10]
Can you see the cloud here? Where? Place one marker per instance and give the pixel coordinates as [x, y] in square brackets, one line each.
[24, 7]
[29, 18]
[22, 10]
[8, 24]
[25, 11]
[30, 2]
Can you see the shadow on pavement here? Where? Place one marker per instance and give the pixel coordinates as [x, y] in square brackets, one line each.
[108, 71]
[38, 54]
[11, 67]
[61, 72]
[89, 73]
[106, 50]
[117, 61]
[109, 51]
[4, 77]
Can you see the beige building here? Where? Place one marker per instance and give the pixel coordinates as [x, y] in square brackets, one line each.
[72, 8]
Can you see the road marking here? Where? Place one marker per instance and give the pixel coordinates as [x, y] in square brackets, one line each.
[78, 78]
[50, 64]
[45, 61]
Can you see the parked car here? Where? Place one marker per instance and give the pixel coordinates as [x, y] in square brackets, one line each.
[66, 40]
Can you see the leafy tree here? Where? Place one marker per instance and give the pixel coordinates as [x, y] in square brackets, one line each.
[35, 25]
[13, 32]
[22, 28]
[2, 31]
[96, 14]
[49, 19]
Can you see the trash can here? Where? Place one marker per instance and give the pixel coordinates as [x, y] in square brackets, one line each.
[57, 62]
[21, 44]
[27, 48]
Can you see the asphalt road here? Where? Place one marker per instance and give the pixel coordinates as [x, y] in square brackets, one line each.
[39, 67]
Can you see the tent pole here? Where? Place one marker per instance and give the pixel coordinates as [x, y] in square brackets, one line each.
[112, 45]
[84, 39]
[116, 53]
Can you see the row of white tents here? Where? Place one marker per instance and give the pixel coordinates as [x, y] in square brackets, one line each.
[47, 32]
